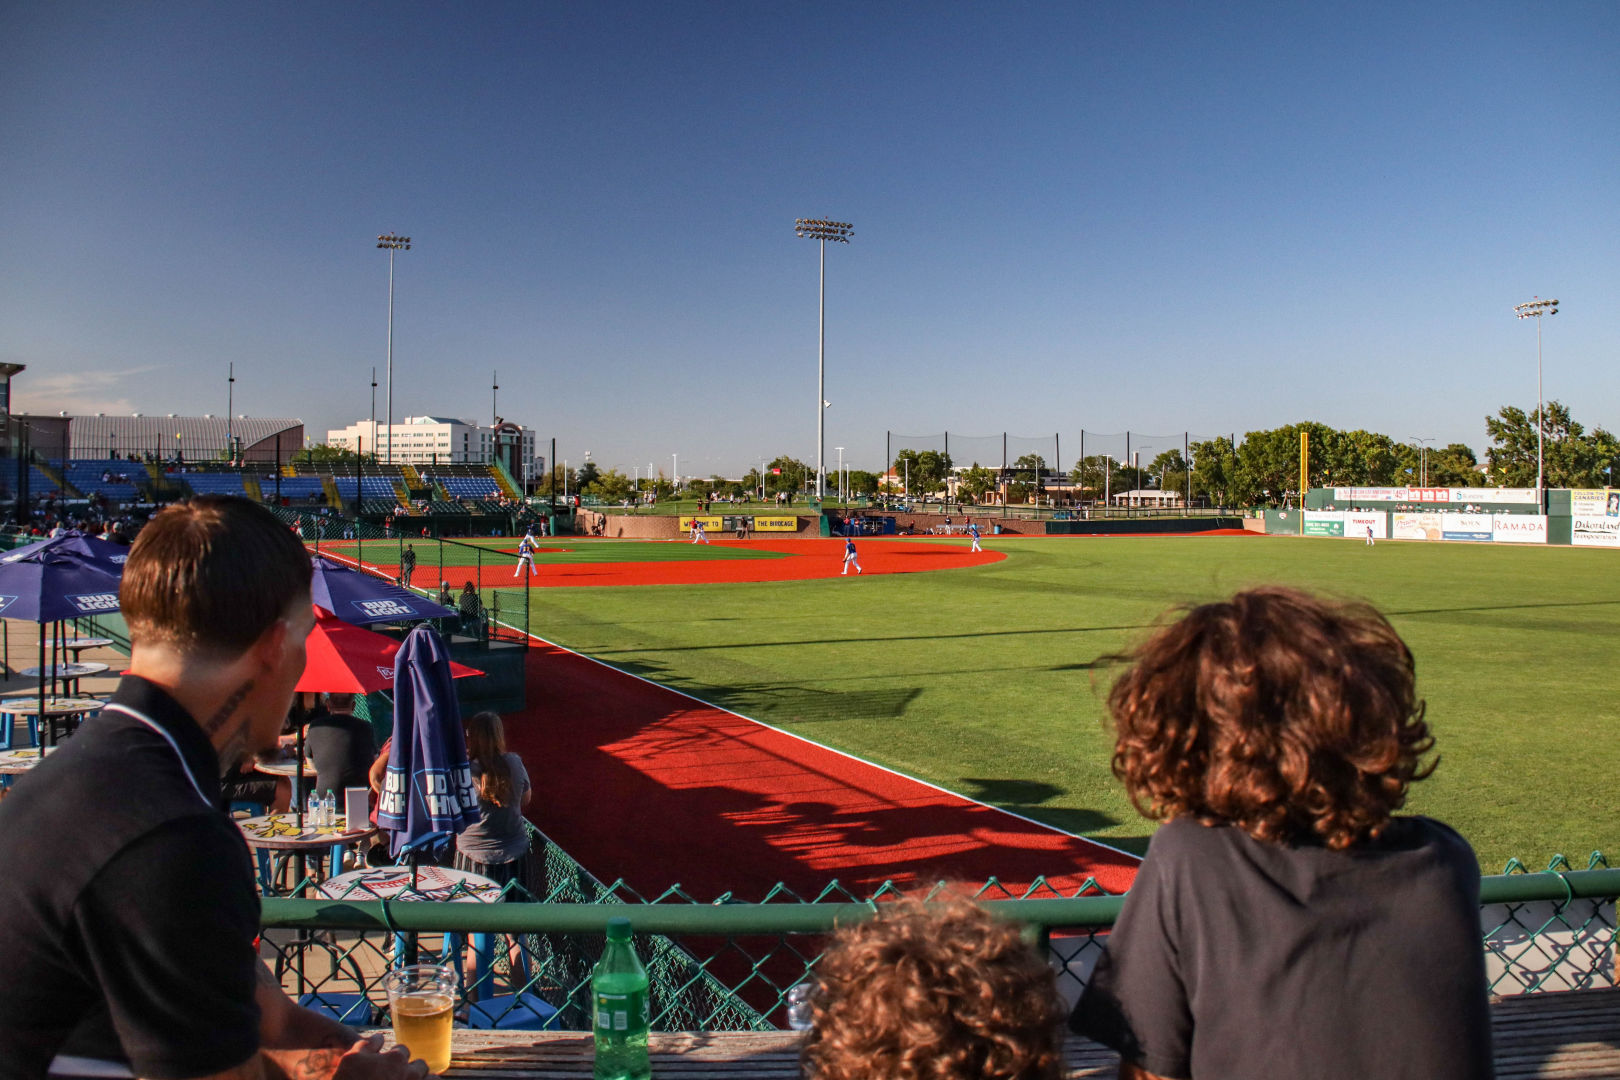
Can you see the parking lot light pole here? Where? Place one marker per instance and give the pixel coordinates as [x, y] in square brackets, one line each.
[1535, 309]
[839, 232]
[391, 243]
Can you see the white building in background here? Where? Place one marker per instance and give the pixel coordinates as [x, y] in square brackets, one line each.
[429, 440]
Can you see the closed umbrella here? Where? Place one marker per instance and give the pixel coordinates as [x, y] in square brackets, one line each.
[360, 598]
[428, 787]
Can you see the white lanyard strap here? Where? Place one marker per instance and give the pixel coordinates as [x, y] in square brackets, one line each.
[149, 722]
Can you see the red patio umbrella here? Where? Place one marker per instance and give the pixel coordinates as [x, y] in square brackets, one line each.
[347, 659]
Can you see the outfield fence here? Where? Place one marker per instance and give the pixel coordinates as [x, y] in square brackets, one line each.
[727, 963]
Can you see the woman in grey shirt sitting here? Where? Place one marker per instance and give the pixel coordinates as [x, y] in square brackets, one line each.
[498, 846]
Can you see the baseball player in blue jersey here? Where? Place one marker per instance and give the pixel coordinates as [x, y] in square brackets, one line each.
[849, 557]
[526, 556]
[973, 531]
[698, 534]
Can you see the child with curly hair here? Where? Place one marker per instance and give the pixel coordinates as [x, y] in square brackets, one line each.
[1286, 922]
[935, 991]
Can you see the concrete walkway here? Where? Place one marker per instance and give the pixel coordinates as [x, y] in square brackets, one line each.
[22, 651]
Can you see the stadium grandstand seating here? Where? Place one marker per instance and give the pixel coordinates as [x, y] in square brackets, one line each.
[214, 482]
[40, 484]
[373, 487]
[469, 486]
[86, 474]
[299, 487]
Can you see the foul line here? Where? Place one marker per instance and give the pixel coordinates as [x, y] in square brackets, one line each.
[823, 746]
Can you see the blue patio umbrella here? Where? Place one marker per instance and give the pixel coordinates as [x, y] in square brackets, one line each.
[56, 580]
[428, 787]
[71, 541]
[359, 598]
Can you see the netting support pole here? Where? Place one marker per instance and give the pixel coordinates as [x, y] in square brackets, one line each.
[888, 459]
[1003, 451]
[1186, 461]
[1057, 453]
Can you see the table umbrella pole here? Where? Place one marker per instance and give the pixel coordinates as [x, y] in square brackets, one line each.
[41, 729]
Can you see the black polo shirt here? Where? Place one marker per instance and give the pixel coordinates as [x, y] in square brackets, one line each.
[127, 907]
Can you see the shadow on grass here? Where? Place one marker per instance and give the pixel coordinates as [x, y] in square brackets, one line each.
[1026, 798]
[784, 702]
[900, 637]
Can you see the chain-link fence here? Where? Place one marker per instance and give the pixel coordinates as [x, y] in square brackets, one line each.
[726, 962]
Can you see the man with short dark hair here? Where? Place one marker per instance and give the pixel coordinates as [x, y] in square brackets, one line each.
[128, 915]
[340, 745]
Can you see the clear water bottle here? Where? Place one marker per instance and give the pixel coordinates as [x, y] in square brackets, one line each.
[328, 811]
[312, 811]
[619, 999]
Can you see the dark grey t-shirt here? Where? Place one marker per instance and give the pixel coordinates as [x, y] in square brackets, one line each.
[500, 835]
[1234, 958]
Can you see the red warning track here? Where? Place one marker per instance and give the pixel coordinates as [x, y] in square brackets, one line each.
[644, 783]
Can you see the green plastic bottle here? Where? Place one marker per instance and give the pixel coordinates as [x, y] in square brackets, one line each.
[619, 994]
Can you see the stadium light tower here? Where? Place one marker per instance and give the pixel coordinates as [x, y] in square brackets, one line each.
[1535, 309]
[391, 243]
[1422, 442]
[839, 232]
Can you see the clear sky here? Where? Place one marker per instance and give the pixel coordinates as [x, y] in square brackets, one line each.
[1156, 217]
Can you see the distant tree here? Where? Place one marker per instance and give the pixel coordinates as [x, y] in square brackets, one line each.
[787, 474]
[611, 486]
[1217, 475]
[327, 453]
[923, 473]
[1169, 471]
[861, 482]
[1091, 474]
[587, 475]
[976, 482]
[1572, 456]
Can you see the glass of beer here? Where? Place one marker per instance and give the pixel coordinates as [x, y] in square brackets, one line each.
[422, 1000]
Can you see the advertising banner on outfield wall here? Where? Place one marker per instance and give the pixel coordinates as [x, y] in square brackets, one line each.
[776, 524]
[1416, 526]
[1595, 517]
[1519, 528]
[1324, 523]
[1447, 496]
[1355, 525]
[1465, 527]
[711, 523]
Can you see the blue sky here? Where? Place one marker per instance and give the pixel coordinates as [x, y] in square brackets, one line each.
[1155, 217]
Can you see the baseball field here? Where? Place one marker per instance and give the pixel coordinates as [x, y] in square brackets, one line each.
[987, 675]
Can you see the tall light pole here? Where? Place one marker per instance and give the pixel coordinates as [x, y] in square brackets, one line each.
[391, 243]
[1535, 309]
[374, 409]
[840, 232]
[1423, 458]
[230, 403]
[840, 450]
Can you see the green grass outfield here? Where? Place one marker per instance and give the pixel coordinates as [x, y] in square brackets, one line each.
[982, 680]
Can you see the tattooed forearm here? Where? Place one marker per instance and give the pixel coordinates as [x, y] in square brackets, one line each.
[314, 1063]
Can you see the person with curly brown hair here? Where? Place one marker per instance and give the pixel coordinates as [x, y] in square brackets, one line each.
[933, 991]
[1286, 921]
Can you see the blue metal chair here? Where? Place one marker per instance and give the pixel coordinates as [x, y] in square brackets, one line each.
[510, 1012]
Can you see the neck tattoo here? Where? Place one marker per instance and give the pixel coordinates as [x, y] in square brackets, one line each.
[229, 706]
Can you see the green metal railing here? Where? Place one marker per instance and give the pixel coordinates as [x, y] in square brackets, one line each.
[726, 964]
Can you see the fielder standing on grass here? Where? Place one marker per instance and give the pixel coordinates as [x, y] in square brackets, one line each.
[526, 555]
[849, 557]
[973, 531]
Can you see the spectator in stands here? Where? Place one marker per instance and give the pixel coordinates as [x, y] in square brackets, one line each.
[1285, 922]
[471, 608]
[340, 745]
[935, 991]
[498, 846]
